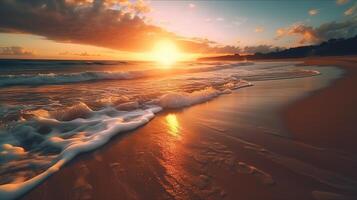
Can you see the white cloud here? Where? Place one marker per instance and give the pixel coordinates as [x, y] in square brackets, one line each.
[239, 21]
[259, 29]
[313, 12]
[351, 10]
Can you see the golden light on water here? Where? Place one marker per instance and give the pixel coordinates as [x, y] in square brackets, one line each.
[173, 124]
[166, 53]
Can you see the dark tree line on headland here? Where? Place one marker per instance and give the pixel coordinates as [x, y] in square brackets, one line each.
[332, 47]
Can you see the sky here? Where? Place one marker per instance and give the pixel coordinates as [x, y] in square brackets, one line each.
[129, 30]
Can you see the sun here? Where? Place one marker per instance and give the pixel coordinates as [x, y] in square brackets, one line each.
[166, 52]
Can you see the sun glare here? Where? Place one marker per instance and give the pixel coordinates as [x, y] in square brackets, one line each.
[173, 125]
[166, 52]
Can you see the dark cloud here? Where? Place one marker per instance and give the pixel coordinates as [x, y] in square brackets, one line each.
[259, 48]
[15, 51]
[78, 22]
[345, 29]
[326, 31]
[107, 23]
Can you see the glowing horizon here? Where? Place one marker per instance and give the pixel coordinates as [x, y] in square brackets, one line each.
[129, 30]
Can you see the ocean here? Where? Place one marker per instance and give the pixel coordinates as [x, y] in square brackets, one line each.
[53, 110]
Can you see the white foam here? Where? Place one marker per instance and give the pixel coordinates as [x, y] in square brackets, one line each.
[95, 132]
[183, 99]
[79, 129]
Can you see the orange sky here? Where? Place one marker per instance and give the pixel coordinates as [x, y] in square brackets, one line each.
[129, 30]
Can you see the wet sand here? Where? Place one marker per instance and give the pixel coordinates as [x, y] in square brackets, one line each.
[256, 143]
[328, 118]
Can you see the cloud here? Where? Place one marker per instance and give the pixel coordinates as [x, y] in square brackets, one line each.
[79, 21]
[344, 29]
[15, 51]
[191, 5]
[351, 10]
[310, 35]
[341, 2]
[280, 32]
[219, 19]
[206, 46]
[259, 29]
[239, 21]
[258, 48]
[114, 24]
[139, 6]
[313, 12]
[307, 34]
[85, 54]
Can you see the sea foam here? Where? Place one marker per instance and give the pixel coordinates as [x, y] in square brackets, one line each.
[71, 137]
[183, 99]
[49, 139]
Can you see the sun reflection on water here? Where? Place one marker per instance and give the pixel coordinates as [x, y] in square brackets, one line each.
[173, 125]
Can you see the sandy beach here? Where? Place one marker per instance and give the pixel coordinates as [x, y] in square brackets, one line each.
[279, 139]
[181, 100]
[328, 117]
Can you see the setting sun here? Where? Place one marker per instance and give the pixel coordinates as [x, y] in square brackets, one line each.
[166, 52]
[183, 96]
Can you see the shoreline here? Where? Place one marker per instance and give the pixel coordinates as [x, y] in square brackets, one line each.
[200, 152]
[329, 111]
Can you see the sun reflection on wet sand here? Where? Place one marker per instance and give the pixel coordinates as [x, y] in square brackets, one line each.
[173, 125]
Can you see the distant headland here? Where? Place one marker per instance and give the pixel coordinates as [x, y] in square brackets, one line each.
[332, 47]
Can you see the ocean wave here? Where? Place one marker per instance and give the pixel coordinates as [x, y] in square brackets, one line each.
[184, 99]
[53, 63]
[262, 73]
[37, 139]
[63, 78]
[52, 78]
[42, 141]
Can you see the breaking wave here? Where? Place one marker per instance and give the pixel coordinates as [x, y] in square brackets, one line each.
[42, 141]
